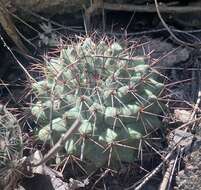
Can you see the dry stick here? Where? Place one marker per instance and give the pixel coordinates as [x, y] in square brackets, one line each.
[142, 8]
[174, 165]
[166, 177]
[73, 28]
[101, 177]
[196, 107]
[52, 105]
[146, 32]
[154, 172]
[28, 25]
[170, 31]
[188, 123]
[26, 39]
[147, 8]
[18, 62]
[151, 8]
[103, 19]
[131, 19]
[60, 143]
[169, 173]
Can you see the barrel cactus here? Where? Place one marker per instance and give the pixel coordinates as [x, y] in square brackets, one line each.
[11, 146]
[112, 91]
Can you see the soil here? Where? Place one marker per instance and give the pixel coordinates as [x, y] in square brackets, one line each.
[189, 178]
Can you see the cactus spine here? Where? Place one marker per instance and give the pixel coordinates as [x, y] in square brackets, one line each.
[113, 92]
[11, 145]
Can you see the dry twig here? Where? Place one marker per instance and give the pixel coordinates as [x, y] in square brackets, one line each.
[59, 144]
[18, 62]
[170, 31]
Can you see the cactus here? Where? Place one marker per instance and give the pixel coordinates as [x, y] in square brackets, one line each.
[11, 145]
[112, 91]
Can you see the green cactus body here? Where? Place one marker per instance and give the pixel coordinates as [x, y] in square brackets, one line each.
[109, 90]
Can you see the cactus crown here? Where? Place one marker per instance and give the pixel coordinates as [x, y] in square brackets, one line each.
[112, 91]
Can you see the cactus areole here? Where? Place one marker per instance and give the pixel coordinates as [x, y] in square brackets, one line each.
[113, 92]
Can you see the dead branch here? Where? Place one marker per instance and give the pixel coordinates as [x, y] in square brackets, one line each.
[195, 45]
[151, 8]
[59, 144]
